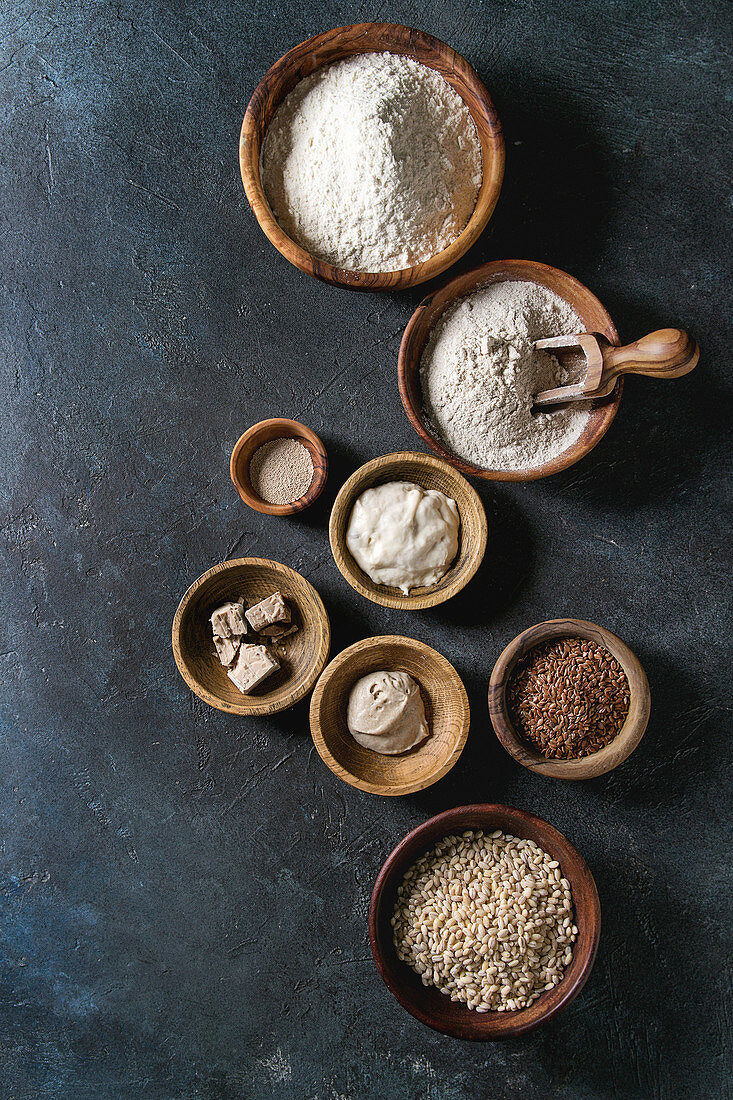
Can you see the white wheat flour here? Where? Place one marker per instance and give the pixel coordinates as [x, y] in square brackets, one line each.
[479, 373]
[372, 163]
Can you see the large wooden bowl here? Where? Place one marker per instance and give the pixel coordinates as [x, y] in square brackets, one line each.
[436, 1009]
[430, 473]
[304, 653]
[335, 45]
[606, 758]
[593, 315]
[446, 709]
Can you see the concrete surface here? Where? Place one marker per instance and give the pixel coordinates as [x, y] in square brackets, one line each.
[184, 896]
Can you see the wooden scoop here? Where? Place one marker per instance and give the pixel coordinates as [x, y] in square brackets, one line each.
[667, 353]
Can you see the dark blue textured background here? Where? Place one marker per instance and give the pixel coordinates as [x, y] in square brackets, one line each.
[183, 896]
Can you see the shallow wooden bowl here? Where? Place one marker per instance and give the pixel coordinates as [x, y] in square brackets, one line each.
[436, 1009]
[335, 45]
[305, 652]
[446, 709]
[416, 336]
[430, 473]
[606, 758]
[255, 437]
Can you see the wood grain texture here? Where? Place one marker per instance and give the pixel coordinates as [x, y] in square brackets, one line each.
[416, 335]
[430, 473]
[335, 45]
[305, 651]
[261, 433]
[446, 709]
[606, 758]
[666, 353]
[589, 357]
[433, 1007]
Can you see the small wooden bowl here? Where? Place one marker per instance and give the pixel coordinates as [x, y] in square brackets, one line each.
[430, 473]
[428, 313]
[305, 652]
[436, 1009]
[335, 45]
[606, 758]
[255, 437]
[446, 709]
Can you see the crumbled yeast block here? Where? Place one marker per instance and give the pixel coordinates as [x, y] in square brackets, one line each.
[270, 616]
[252, 665]
[284, 633]
[278, 643]
[226, 648]
[228, 620]
[278, 630]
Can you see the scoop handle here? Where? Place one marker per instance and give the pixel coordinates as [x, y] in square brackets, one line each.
[667, 353]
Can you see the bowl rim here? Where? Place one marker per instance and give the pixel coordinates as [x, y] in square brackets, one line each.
[343, 658]
[246, 446]
[396, 37]
[605, 759]
[386, 595]
[253, 708]
[489, 1026]
[446, 296]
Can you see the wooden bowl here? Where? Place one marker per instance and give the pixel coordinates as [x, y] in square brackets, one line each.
[305, 652]
[436, 1009]
[255, 437]
[446, 709]
[335, 45]
[606, 758]
[430, 473]
[416, 336]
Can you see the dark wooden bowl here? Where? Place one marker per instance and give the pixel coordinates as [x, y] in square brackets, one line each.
[446, 709]
[416, 336]
[430, 473]
[305, 652]
[255, 437]
[606, 758]
[335, 45]
[436, 1009]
